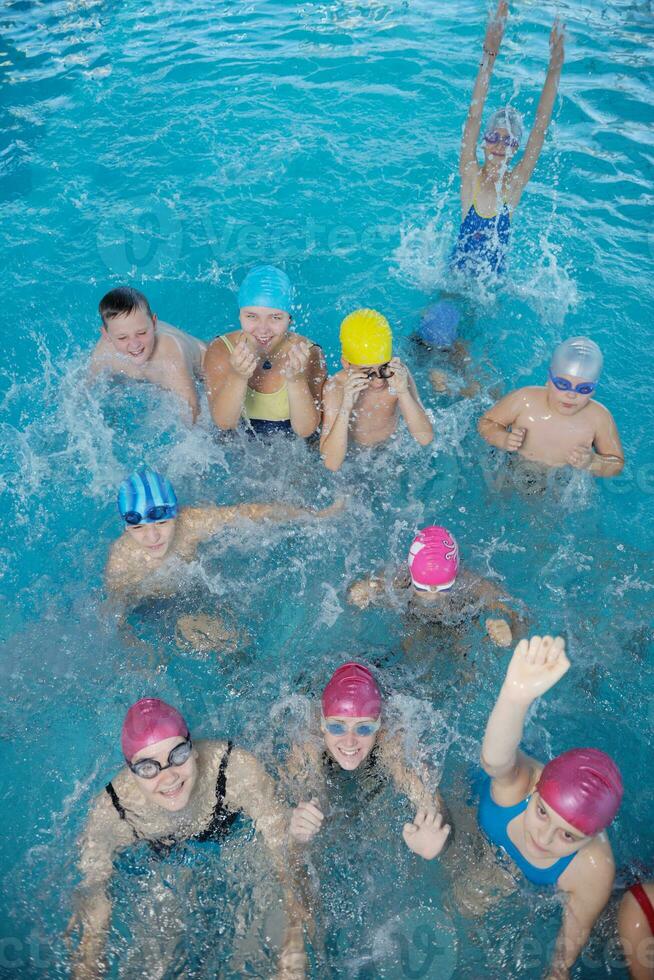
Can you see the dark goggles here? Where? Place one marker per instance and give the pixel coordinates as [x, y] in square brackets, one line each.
[149, 768]
[383, 372]
[585, 388]
[164, 512]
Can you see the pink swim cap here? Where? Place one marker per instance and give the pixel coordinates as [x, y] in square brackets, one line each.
[434, 558]
[351, 693]
[148, 721]
[584, 786]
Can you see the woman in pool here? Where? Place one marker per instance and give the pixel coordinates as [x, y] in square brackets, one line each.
[550, 819]
[263, 373]
[353, 739]
[171, 790]
[636, 928]
[490, 193]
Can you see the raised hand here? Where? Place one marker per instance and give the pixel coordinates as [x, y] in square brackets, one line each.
[427, 834]
[355, 383]
[580, 457]
[514, 439]
[495, 29]
[399, 383]
[297, 360]
[557, 37]
[306, 821]
[242, 359]
[536, 666]
[499, 632]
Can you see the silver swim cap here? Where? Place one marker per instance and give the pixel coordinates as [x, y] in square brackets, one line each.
[579, 357]
[506, 118]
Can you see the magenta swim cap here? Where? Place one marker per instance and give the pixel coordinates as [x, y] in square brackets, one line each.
[434, 558]
[148, 721]
[352, 692]
[584, 786]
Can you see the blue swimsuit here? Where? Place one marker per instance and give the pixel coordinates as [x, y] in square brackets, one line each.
[483, 241]
[494, 819]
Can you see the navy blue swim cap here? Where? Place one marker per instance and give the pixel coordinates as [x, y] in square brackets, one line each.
[439, 324]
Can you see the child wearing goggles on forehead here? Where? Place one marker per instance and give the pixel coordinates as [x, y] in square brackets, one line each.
[352, 729]
[134, 343]
[560, 424]
[158, 535]
[364, 400]
[174, 789]
[490, 193]
[434, 589]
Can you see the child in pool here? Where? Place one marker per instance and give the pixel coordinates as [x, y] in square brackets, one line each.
[636, 929]
[559, 424]
[364, 400]
[173, 789]
[432, 588]
[158, 535]
[350, 722]
[490, 193]
[550, 819]
[136, 344]
[262, 373]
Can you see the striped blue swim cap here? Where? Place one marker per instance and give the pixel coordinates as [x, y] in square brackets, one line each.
[145, 497]
[266, 286]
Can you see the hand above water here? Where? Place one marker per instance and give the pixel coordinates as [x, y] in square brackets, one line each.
[242, 360]
[354, 384]
[557, 37]
[514, 439]
[499, 632]
[297, 360]
[536, 666]
[306, 821]
[427, 834]
[580, 457]
[399, 383]
[495, 28]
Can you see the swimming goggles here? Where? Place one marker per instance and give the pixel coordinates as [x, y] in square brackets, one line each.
[164, 512]
[585, 388]
[431, 588]
[383, 372]
[495, 137]
[363, 729]
[149, 768]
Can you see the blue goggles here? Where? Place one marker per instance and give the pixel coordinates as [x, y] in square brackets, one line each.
[363, 729]
[164, 512]
[585, 388]
[494, 137]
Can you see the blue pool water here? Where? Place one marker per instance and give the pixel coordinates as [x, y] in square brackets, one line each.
[173, 146]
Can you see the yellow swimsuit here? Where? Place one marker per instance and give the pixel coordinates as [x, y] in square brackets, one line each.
[271, 407]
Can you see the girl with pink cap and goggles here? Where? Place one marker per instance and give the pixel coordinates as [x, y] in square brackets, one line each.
[433, 560]
[549, 819]
[168, 776]
[350, 719]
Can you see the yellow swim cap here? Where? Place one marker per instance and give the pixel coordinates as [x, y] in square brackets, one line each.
[366, 338]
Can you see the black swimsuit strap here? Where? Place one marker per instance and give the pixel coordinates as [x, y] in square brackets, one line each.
[120, 809]
[221, 781]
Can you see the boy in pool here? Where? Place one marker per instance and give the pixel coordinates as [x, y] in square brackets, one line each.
[559, 424]
[136, 344]
[263, 373]
[159, 538]
[432, 588]
[490, 193]
[174, 789]
[350, 721]
[364, 400]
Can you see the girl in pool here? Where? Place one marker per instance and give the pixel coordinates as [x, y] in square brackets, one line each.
[353, 739]
[636, 928]
[171, 790]
[550, 819]
[271, 378]
[490, 193]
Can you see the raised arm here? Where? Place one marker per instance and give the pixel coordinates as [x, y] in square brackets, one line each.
[522, 172]
[339, 400]
[537, 664]
[411, 408]
[306, 373]
[226, 376]
[468, 166]
[203, 522]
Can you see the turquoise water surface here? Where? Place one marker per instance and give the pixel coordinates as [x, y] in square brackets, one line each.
[173, 146]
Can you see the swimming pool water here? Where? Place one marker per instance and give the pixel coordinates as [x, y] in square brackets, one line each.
[174, 146]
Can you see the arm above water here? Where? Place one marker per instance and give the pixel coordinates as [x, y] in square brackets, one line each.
[226, 375]
[494, 424]
[175, 375]
[606, 458]
[491, 596]
[306, 376]
[201, 523]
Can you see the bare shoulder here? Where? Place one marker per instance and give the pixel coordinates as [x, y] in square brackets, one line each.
[593, 865]
[601, 416]
[335, 382]
[218, 353]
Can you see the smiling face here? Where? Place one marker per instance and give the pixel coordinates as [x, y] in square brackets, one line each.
[547, 835]
[566, 402]
[171, 789]
[349, 750]
[499, 152]
[155, 539]
[133, 335]
[265, 325]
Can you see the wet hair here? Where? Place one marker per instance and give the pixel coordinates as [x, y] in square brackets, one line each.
[121, 302]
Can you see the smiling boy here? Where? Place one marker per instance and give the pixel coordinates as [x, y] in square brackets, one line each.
[559, 424]
[136, 344]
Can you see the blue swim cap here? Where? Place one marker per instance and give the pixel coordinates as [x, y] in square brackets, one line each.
[266, 286]
[146, 497]
[439, 324]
